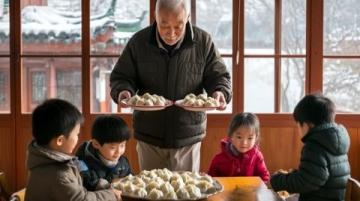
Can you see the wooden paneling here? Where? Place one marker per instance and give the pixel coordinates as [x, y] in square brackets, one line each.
[7, 160]
[354, 152]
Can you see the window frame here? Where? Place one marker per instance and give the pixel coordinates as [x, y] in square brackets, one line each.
[313, 75]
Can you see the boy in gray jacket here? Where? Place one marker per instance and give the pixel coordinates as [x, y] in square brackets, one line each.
[53, 172]
[324, 167]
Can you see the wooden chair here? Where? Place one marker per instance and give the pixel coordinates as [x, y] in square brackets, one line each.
[352, 190]
[18, 196]
[4, 188]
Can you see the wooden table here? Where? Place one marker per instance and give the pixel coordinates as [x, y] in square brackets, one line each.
[238, 189]
[243, 189]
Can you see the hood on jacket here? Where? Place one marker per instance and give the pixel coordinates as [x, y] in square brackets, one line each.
[332, 136]
[86, 150]
[40, 156]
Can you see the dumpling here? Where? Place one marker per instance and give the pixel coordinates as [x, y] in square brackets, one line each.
[199, 103]
[140, 102]
[152, 185]
[193, 191]
[186, 177]
[140, 192]
[148, 102]
[139, 182]
[159, 102]
[171, 195]
[202, 97]
[191, 95]
[189, 102]
[182, 193]
[177, 184]
[155, 194]
[207, 178]
[204, 186]
[132, 100]
[166, 188]
[146, 96]
[129, 187]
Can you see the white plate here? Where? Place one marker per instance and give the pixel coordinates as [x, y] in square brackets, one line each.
[124, 103]
[179, 103]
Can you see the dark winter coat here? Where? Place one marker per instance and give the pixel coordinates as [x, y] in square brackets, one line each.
[92, 169]
[145, 67]
[324, 167]
[226, 164]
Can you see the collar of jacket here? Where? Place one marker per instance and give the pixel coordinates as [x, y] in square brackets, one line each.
[317, 128]
[188, 38]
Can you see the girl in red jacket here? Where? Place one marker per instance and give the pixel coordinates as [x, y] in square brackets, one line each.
[240, 155]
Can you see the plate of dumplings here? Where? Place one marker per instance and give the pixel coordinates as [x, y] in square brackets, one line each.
[146, 102]
[199, 103]
[163, 184]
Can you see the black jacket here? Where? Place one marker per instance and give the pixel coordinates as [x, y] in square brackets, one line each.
[194, 67]
[324, 167]
[92, 169]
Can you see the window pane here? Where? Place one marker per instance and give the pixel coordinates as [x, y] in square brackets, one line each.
[4, 85]
[51, 27]
[216, 18]
[101, 69]
[259, 85]
[45, 78]
[4, 27]
[229, 66]
[259, 27]
[293, 28]
[341, 27]
[342, 83]
[114, 22]
[292, 82]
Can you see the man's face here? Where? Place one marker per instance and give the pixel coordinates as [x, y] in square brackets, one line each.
[171, 24]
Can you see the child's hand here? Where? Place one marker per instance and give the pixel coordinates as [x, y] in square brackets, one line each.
[117, 194]
[281, 171]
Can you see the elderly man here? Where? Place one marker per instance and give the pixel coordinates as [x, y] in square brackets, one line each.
[171, 58]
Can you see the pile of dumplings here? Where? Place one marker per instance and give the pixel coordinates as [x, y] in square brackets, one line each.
[202, 100]
[162, 184]
[147, 100]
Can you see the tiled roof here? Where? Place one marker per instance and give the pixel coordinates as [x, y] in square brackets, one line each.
[43, 24]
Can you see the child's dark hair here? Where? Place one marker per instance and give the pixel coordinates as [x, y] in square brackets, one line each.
[314, 108]
[245, 119]
[109, 129]
[52, 118]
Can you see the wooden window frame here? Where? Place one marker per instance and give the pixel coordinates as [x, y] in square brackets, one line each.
[314, 60]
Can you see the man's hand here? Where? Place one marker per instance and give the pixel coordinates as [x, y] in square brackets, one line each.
[124, 95]
[219, 96]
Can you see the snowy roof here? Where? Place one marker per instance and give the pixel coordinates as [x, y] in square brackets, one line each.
[44, 24]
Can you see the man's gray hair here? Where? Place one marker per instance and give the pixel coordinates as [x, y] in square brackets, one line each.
[172, 5]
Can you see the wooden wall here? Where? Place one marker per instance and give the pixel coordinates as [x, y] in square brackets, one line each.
[280, 145]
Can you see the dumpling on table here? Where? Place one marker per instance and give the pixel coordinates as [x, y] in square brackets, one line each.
[152, 185]
[193, 191]
[129, 187]
[140, 192]
[204, 185]
[166, 188]
[177, 184]
[155, 194]
[182, 193]
[171, 195]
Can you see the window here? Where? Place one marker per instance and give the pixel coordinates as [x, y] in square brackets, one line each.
[274, 54]
[216, 18]
[4, 57]
[112, 23]
[342, 54]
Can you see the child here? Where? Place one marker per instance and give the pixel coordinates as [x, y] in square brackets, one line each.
[102, 157]
[53, 172]
[240, 155]
[324, 168]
